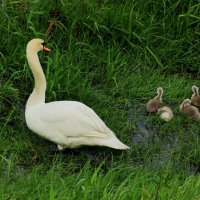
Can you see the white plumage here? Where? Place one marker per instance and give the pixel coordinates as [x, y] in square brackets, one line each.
[70, 124]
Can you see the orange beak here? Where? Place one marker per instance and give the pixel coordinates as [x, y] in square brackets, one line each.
[45, 48]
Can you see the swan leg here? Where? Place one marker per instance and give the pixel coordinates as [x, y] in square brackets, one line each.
[60, 147]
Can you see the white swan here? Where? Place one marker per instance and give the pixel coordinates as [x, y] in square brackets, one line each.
[69, 124]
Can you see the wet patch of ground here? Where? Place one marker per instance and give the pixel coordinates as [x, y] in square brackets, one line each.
[146, 133]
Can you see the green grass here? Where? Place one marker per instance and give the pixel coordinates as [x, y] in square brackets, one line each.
[69, 181]
[110, 55]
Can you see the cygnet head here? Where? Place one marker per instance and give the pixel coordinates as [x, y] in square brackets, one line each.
[159, 92]
[37, 45]
[159, 89]
[195, 90]
[186, 102]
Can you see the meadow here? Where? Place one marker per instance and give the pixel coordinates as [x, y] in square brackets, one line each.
[110, 55]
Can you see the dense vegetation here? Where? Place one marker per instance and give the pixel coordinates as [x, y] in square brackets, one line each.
[111, 55]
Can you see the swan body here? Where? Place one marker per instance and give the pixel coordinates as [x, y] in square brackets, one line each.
[190, 110]
[195, 99]
[69, 124]
[165, 113]
[155, 103]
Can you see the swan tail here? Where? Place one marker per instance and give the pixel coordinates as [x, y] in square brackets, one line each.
[107, 138]
[118, 145]
[114, 143]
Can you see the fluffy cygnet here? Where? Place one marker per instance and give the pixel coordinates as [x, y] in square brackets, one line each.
[190, 110]
[165, 113]
[155, 103]
[195, 99]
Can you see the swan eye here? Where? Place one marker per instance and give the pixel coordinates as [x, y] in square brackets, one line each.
[45, 48]
[44, 43]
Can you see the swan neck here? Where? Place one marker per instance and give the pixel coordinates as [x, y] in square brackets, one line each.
[38, 94]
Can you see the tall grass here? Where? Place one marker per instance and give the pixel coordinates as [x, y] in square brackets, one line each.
[110, 55]
[60, 181]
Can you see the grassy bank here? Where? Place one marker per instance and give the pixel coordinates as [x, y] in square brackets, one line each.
[70, 181]
[110, 55]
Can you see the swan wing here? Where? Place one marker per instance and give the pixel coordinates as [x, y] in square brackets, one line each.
[72, 119]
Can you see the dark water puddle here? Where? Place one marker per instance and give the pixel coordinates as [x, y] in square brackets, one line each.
[143, 130]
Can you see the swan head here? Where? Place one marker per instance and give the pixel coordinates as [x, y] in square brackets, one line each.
[37, 45]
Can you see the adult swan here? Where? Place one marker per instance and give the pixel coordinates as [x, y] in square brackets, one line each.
[69, 124]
